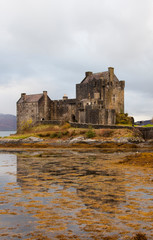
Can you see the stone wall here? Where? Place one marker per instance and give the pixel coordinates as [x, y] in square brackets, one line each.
[98, 126]
[63, 110]
[114, 96]
[86, 91]
[147, 132]
[44, 108]
[44, 122]
[26, 113]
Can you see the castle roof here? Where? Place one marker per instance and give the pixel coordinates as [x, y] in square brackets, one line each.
[97, 76]
[30, 98]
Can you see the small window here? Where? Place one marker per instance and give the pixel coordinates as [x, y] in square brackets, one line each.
[114, 98]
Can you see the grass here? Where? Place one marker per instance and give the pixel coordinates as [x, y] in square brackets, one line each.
[20, 136]
[148, 125]
[65, 131]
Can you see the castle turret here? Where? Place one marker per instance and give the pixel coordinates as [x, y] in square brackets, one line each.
[111, 74]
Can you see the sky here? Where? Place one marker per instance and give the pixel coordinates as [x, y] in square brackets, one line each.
[50, 44]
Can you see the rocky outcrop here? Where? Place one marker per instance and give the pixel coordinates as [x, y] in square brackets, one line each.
[15, 141]
[99, 141]
[70, 142]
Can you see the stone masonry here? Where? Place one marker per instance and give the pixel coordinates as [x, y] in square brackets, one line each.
[99, 97]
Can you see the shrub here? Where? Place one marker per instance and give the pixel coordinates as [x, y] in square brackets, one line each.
[44, 134]
[90, 133]
[123, 118]
[40, 135]
[53, 135]
[25, 125]
[59, 134]
[65, 133]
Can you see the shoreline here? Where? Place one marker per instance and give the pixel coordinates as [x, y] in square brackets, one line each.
[76, 143]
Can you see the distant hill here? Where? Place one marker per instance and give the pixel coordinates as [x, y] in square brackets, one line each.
[7, 122]
[144, 122]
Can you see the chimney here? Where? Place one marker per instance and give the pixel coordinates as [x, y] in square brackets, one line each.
[111, 74]
[65, 97]
[23, 96]
[88, 74]
[45, 93]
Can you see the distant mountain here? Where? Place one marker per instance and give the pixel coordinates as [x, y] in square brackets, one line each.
[7, 122]
[144, 122]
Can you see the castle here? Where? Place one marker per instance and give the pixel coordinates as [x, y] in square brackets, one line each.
[99, 97]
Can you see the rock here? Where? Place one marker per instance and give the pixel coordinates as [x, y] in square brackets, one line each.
[76, 140]
[136, 140]
[7, 140]
[120, 140]
[26, 140]
[128, 140]
[31, 140]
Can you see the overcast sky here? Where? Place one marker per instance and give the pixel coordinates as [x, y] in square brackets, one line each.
[49, 44]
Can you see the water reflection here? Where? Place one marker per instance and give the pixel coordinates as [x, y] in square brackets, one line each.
[89, 176]
[8, 168]
[74, 195]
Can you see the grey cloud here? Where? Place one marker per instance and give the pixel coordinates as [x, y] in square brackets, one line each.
[55, 42]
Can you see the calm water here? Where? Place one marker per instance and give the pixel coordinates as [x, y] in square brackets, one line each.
[73, 195]
[6, 133]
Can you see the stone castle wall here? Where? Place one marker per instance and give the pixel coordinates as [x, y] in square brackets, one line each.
[29, 112]
[26, 112]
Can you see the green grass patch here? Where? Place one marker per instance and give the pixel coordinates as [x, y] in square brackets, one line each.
[23, 136]
[148, 125]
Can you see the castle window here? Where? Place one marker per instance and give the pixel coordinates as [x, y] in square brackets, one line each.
[114, 98]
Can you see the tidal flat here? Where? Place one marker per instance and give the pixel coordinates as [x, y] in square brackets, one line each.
[75, 194]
